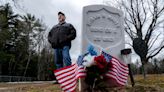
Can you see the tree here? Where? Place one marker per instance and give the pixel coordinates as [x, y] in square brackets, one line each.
[32, 28]
[161, 64]
[143, 20]
[156, 65]
[23, 48]
[8, 22]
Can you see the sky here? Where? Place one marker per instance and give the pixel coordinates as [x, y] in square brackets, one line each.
[47, 10]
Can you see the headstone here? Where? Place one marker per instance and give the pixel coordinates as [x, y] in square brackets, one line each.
[103, 28]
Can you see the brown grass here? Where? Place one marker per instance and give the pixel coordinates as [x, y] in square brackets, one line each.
[153, 83]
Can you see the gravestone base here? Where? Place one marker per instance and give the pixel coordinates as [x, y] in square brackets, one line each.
[106, 84]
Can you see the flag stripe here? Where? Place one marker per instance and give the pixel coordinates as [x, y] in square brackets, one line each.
[115, 59]
[64, 70]
[65, 78]
[121, 65]
[72, 89]
[69, 87]
[68, 82]
[118, 77]
[61, 76]
[117, 81]
[123, 72]
[118, 71]
[81, 72]
[68, 76]
[114, 65]
[81, 76]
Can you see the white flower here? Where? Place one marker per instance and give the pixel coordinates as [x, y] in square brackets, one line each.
[89, 61]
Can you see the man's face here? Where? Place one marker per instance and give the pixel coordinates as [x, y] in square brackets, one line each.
[61, 18]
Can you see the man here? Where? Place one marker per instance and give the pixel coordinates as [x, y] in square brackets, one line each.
[60, 37]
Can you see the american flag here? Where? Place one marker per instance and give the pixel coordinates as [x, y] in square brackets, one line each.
[118, 71]
[68, 76]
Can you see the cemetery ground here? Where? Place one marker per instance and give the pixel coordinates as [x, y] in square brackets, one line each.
[153, 83]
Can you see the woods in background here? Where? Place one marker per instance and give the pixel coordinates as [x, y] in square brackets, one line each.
[155, 66]
[23, 48]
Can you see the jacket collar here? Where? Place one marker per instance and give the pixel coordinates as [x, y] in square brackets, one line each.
[61, 23]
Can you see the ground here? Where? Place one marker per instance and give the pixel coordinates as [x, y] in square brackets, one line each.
[153, 83]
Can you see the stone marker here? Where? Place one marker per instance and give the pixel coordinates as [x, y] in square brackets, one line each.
[102, 28]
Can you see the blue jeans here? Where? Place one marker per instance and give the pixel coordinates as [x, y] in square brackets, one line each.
[62, 57]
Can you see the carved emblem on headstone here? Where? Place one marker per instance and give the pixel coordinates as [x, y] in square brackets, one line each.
[103, 28]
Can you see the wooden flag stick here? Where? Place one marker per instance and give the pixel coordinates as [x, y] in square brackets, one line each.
[79, 84]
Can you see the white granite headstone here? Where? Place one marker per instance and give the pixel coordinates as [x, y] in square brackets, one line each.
[103, 28]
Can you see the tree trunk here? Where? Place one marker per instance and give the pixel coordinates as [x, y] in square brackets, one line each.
[0, 68]
[39, 67]
[144, 69]
[29, 59]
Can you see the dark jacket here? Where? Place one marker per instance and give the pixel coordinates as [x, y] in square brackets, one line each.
[61, 35]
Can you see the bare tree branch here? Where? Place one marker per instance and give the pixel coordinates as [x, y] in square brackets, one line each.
[126, 19]
[131, 31]
[152, 23]
[155, 49]
[151, 56]
[129, 12]
[149, 7]
[139, 24]
[133, 13]
[145, 13]
[153, 41]
[161, 11]
[129, 44]
[128, 33]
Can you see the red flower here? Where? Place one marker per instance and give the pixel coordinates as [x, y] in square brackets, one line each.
[101, 62]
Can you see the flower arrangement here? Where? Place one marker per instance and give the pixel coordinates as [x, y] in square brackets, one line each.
[96, 66]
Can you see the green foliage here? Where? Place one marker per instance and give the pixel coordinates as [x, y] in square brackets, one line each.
[20, 36]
